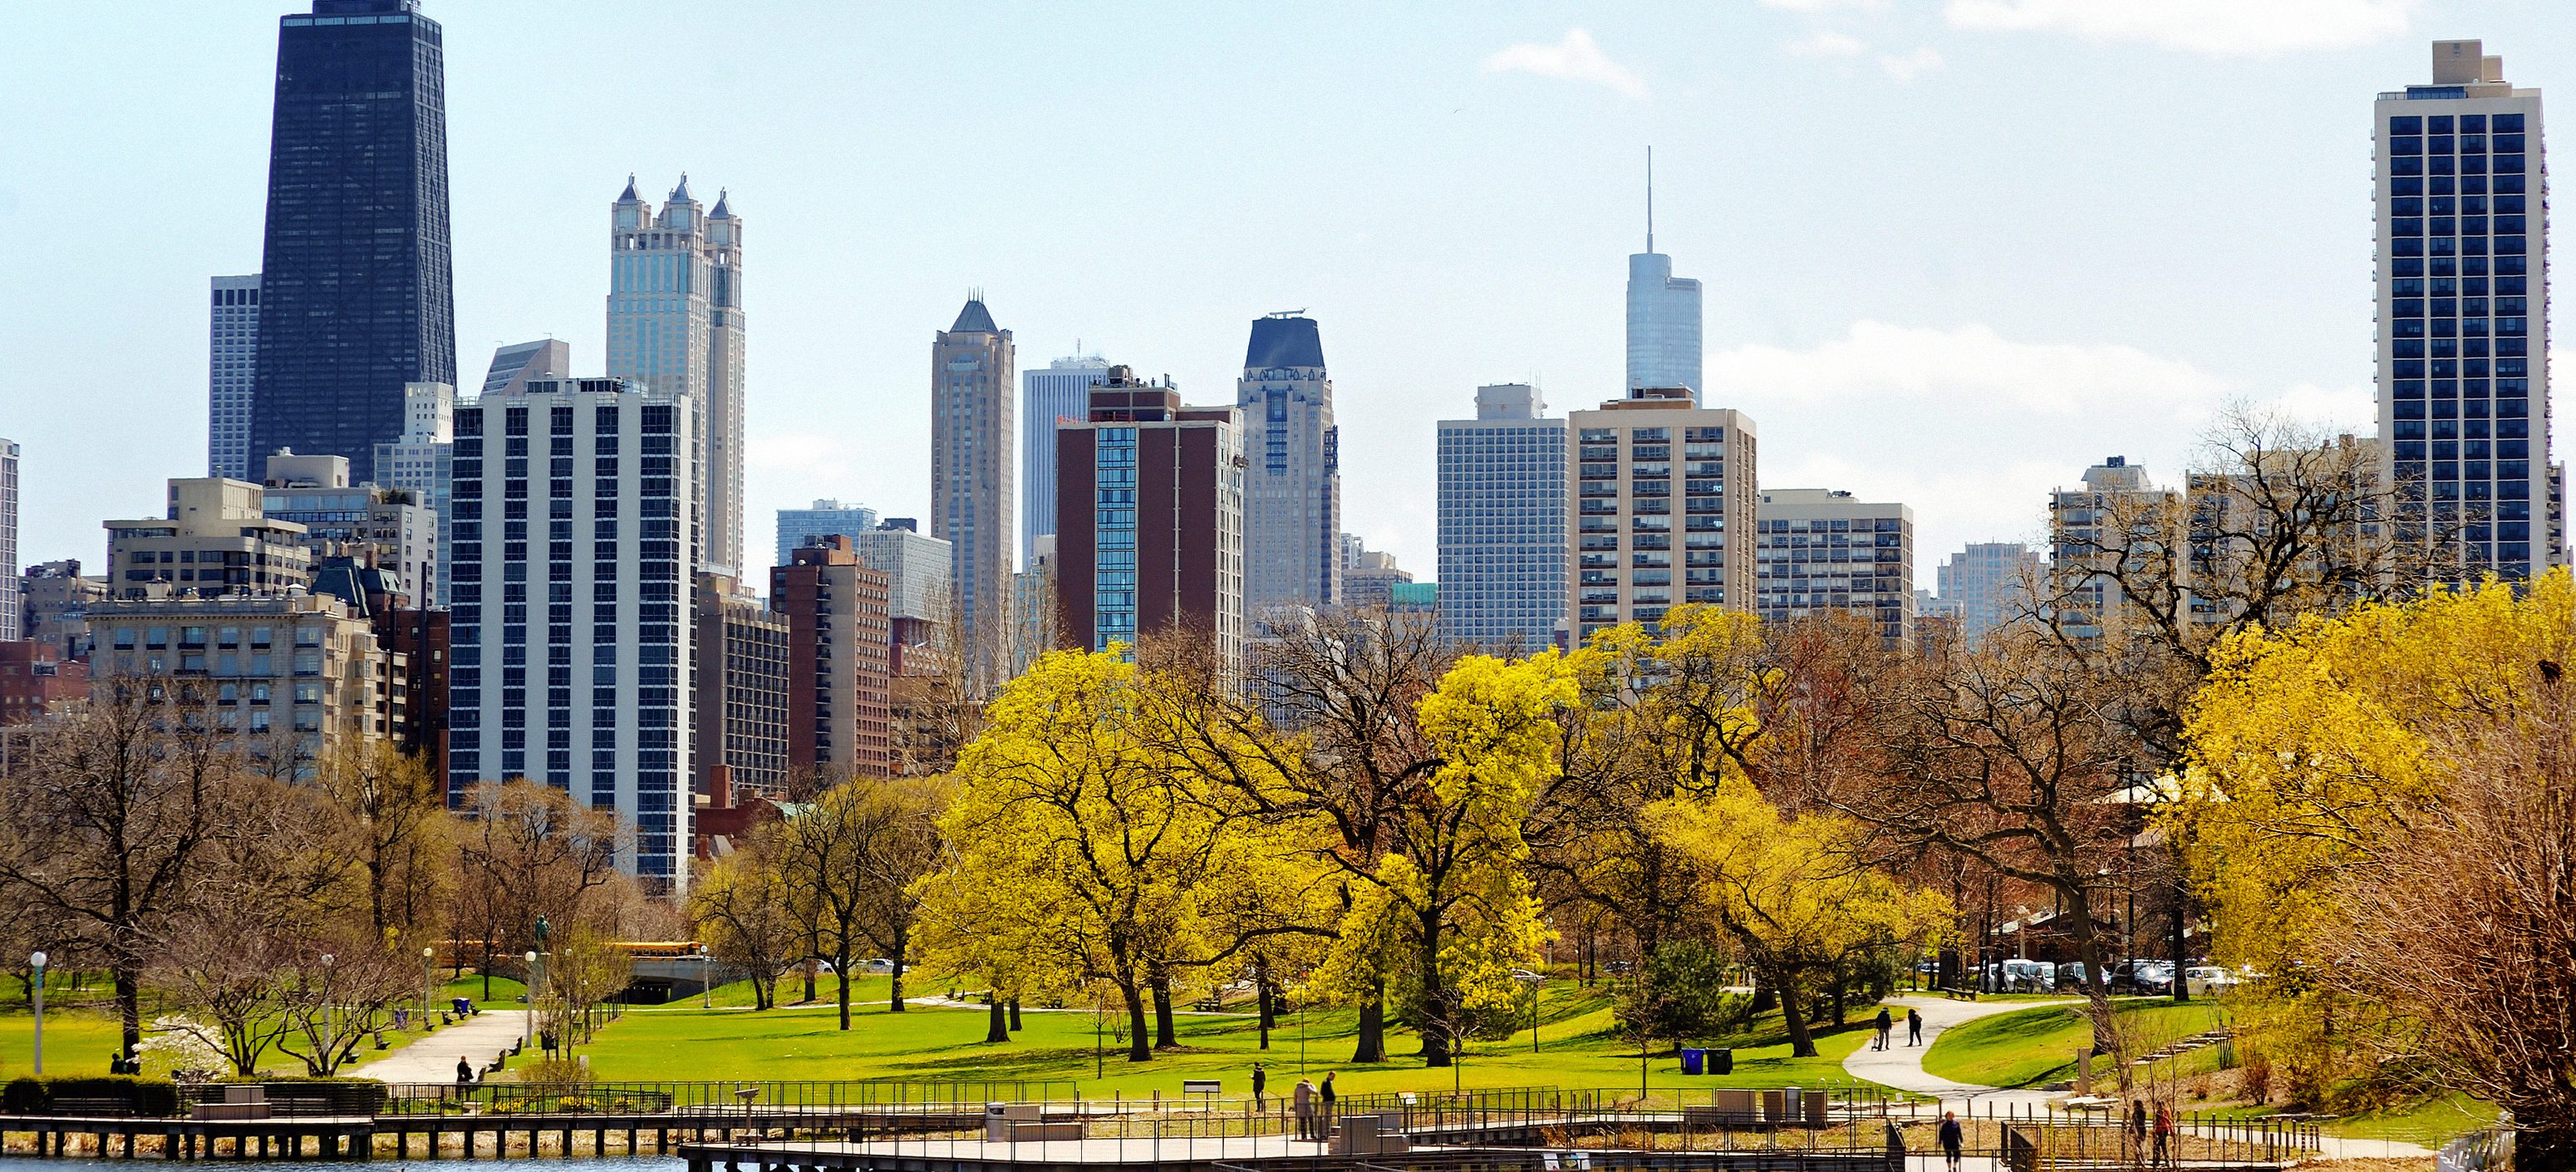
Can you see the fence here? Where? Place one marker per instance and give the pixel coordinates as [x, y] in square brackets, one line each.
[2486, 1150]
[694, 1099]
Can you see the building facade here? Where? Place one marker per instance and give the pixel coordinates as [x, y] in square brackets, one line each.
[390, 529]
[2119, 523]
[798, 526]
[1293, 486]
[1150, 521]
[356, 296]
[513, 365]
[421, 462]
[1817, 549]
[971, 479]
[12, 623]
[232, 351]
[838, 670]
[2463, 301]
[917, 587]
[742, 690]
[1060, 392]
[1502, 508]
[576, 545]
[1988, 584]
[53, 606]
[1663, 316]
[217, 539]
[37, 680]
[675, 324]
[1663, 509]
[301, 671]
[1369, 578]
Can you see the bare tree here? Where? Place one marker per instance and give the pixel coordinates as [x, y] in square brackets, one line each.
[742, 909]
[528, 851]
[392, 809]
[336, 992]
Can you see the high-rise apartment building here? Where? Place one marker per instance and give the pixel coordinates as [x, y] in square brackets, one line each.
[1663, 509]
[675, 324]
[742, 689]
[916, 567]
[838, 716]
[971, 437]
[1293, 488]
[2463, 302]
[355, 298]
[575, 529]
[1818, 549]
[420, 463]
[1060, 392]
[1502, 523]
[53, 606]
[513, 365]
[10, 625]
[1369, 576]
[216, 538]
[796, 527]
[1663, 315]
[1150, 521]
[2119, 524]
[1988, 584]
[388, 529]
[232, 349]
[297, 673]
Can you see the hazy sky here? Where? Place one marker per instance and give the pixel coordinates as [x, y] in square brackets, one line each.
[1955, 250]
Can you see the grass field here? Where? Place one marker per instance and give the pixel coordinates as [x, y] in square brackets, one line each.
[2431, 1122]
[81, 1032]
[2036, 1046]
[1578, 1048]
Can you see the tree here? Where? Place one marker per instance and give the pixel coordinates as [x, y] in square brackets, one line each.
[742, 909]
[584, 970]
[1678, 992]
[266, 894]
[528, 851]
[393, 808]
[335, 992]
[851, 861]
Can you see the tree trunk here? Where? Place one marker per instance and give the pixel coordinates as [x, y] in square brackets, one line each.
[1261, 992]
[129, 1007]
[1138, 1048]
[2181, 987]
[1372, 1030]
[894, 983]
[1839, 984]
[996, 1027]
[2545, 1145]
[1015, 1014]
[841, 969]
[1164, 1035]
[1802, 1042]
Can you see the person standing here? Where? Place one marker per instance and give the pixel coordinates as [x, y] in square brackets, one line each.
[1952, 1139]
[464, 1071]
[1886, 1025]
[1324, 1124]
[1260, 1079]
[1913, 1027]
[1304, 1107]
[2137, 1127]
[2164, 1133]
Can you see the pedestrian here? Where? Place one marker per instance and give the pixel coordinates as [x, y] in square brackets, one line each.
[1952, 1139]
[1324, 1121]
[2164, 1133]
[2137, 1127]
[1260, 1079]
[1913, 1027]
[464, 1071]
[1886, 1024]
[1304, 1103]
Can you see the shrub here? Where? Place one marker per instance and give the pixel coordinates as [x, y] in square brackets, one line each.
[148, 1097]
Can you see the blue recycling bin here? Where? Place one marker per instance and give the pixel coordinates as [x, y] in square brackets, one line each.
[1691, 1060]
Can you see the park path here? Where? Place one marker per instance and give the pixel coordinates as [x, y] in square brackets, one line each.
[433, 1058]
[1901, 1066]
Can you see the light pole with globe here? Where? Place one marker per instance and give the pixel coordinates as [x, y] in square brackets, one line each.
[36, 962]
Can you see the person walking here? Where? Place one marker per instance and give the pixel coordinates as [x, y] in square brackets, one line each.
[2164, 1134]
[1952, 1139]
[1303, 1105]
[2137, 1129]
[1324, 1121]
[1886, 1025]
[1260, 1079]
[1913, 1027]
[464, 1071]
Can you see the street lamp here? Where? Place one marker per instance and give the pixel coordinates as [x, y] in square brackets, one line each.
[1532, 981]
[36, 961]
[706, 978]
[330, 1021]
[428, 984]
[536, 979]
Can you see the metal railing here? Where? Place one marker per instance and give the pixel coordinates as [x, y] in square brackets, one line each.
[2488, 1149]
[748, 1098]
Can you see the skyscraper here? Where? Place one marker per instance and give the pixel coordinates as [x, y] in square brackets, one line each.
[573, 661]
[232, 346]
[827, 517]
[1663, 314]
[1060, 392]
[1293, 493]
[1625, 514]
[514, 365]
[1989, 583]
[970, 478]
[2120, 525]
[1819, 549]
[2463, 292]
[1150, 521]
[1502, 521]
[355, 296]
[675, 324]
[9, 625]
[837, 660]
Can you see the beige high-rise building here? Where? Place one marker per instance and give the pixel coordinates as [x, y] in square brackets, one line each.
[2121, 523]
[217, 539]
[1662, 508]
[1819, 549]
[972, 446]
[296, 667]
[675, 324]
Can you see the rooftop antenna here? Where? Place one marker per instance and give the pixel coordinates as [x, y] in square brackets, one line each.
[1650, 199]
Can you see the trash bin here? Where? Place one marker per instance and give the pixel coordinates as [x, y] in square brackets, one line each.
[1721, 1061]
[1691, 1060]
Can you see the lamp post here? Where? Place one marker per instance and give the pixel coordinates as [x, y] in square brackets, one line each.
[706, 978]
[330, 1021]
[536, 980]
[36, 961]
[1532, 981]
[428, 984]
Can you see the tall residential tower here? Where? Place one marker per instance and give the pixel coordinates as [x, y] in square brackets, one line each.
[970, 478]
[1663, 315]
[1502, 521]
[675, 324]
[232, 346]
[1292, 500]
[355, 296]
[1060, 393]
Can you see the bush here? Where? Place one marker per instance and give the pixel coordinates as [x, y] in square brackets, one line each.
[147, 1097]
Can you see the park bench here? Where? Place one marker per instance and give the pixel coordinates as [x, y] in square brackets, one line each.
[1208, 1088]
[93, 1106]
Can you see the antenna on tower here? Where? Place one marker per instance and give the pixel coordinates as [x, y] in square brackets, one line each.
[1650, 199]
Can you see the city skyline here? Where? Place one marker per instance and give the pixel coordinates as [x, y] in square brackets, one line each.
[2278, 302]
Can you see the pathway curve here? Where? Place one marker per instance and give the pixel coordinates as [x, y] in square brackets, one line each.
[1901, 1066]
[432, 1058]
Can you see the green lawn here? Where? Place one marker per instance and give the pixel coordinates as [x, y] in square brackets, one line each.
[77, 1041]
[2430, 1122]
[1578, 1047]
[2036, 1046]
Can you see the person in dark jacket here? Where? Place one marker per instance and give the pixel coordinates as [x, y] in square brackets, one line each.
[1260, 1079]
[464, 1071]
[1324, 1120]
[1952, 1139]
[1913, 1027]
[1886, 1025]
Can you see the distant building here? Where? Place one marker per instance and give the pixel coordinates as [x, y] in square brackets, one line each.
[1369, 577]
[1033, 608]
[971, 477]
[1663, 509]
[675, 324]
[232, 351]
[1413, 598]
[217, 539]
[1293, 482]
[1663, 317]
[389, 528]
[838, 719]
[422, 463]
[1060, 392]
[10, 624]
[2119, 522]
[827, 517]
[54, 602]
[1150, 521]
[37, 680]
[299, 672]
[1503, 535]
[742, 690]
[356, 295]
[1988, 584]
[513, 365]
[1821, 550]
[418, 634]
[920, 599]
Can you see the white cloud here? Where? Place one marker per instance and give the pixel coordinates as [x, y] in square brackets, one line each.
[2224, 28]
[1973, 429]
[1576, 58]
[1827, 43]
[1911, 65]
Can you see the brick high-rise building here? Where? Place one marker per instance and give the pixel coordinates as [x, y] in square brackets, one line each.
[742, 690]
[1150, 520]
[837, 637]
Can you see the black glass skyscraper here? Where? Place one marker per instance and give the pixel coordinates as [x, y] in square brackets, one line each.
[355, 296]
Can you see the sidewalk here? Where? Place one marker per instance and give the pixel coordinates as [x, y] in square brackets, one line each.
[433, 1058]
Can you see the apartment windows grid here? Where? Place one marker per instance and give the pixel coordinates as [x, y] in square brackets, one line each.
[1503, 541]
[232, 352]
[1114, 506]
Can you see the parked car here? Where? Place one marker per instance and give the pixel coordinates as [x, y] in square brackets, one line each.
[2145, 976]
[2209, 980]
[2029, 976]
[2072, 977]
[879, 965]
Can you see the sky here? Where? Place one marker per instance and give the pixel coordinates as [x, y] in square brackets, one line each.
[1955, 251]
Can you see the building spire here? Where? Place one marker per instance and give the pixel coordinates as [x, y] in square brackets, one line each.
[1650, 199]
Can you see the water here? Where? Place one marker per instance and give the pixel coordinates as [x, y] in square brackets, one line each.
[16, 1163]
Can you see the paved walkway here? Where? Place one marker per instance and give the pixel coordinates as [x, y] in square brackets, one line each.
[433, 1058]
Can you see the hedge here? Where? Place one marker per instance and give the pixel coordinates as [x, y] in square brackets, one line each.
[142, 1096]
